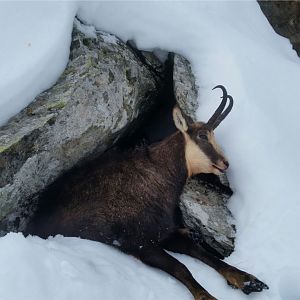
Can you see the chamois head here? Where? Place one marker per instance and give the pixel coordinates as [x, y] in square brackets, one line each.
[203, 155]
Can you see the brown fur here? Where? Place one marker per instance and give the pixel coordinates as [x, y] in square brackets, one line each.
[106, 200]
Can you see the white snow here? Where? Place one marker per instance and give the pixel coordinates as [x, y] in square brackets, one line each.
[229, 43]
[109, 38]
[88, 30]
[34, 50]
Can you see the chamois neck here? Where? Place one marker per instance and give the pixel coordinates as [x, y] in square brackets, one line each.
[170, 154]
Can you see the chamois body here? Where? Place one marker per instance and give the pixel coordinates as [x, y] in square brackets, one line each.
[131, 202]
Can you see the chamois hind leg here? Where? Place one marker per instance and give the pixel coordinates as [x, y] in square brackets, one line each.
[155, 256]
[236, 278]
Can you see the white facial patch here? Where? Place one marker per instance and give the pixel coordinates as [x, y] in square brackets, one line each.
[197, 161]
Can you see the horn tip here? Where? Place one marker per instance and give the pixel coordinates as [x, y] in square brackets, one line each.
[219, 86]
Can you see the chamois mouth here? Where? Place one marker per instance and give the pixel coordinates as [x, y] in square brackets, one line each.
[219, 169]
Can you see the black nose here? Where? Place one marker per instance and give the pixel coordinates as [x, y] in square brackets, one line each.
[226, 163]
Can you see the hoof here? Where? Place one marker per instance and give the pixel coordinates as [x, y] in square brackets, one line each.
[246, 282]
[254, 285]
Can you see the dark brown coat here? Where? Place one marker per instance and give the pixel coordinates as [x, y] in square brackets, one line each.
[129, 201]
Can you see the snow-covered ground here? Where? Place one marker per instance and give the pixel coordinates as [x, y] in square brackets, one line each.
[228, 43]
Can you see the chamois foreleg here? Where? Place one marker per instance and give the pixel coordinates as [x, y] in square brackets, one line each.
[181, 243]
[155, 256]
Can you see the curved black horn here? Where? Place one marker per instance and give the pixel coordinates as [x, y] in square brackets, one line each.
[219, 110]
[225, 113]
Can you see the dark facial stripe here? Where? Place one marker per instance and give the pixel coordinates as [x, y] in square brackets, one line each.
[209, 151]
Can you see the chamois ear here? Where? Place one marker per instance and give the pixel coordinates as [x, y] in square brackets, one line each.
[179, 120]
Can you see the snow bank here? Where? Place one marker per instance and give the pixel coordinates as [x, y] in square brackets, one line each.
[34, 51]
[69, 268]
[227, 43]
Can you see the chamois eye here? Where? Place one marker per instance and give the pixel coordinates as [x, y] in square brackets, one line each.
[203, 137]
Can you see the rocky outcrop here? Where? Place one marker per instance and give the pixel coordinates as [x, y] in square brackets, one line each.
[104, 88]
[205, 211]
[185, 88]
[284, 16]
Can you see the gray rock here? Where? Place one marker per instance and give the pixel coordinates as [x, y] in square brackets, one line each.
[206, 214]
[185, 88]
[284, 16]
[203, 205]
[104, 88]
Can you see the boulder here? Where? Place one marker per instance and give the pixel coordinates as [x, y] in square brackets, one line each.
[205, 212]
[103, 90]
[185, 88]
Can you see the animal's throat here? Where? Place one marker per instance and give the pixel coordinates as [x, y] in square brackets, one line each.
[170, 154]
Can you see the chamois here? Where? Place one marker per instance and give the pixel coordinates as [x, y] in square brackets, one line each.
[131, 202]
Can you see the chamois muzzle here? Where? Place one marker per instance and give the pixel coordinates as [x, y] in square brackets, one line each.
[220, 114]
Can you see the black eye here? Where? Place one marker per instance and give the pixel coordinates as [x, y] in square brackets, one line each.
[203, 137]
